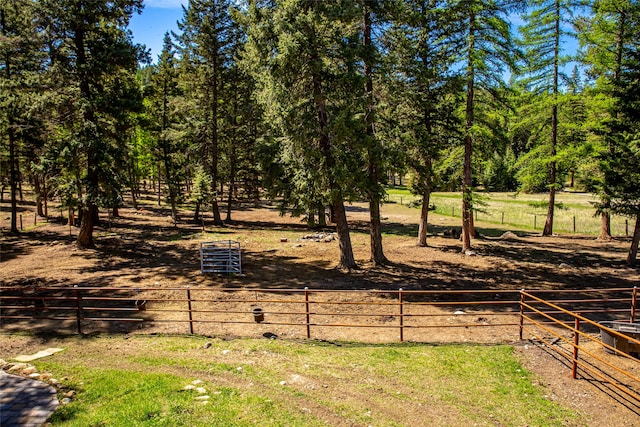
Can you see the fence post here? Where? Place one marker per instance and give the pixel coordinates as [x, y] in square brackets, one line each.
[576, 342]
[401, 303]
[535, 217]
[20, 222]
[634, 303]
[502, 218]
[521, 313]
[306, 309]
[35, 218]
[574, 225]
[190, 313]
[78, 309]
[626, 228]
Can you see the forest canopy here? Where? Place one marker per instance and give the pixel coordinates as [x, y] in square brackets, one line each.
[313, 104]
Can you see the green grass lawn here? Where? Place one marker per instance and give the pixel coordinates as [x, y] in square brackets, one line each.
[140, 381]
[523, 211]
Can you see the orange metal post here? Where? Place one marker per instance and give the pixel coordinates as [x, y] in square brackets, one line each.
[400, 301]
[576, 343]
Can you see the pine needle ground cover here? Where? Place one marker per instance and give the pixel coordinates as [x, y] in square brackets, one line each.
[148, 381]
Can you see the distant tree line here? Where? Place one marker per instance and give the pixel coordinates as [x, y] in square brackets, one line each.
[314, 103]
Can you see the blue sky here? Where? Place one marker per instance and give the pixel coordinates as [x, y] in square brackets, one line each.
[158, 17]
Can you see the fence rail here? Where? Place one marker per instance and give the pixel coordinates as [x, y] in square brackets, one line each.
[556, 319]
[579, 349]
[423, 315]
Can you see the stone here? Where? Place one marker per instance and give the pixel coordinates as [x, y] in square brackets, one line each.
[35, 376]
[208, 344]
[205, 397]
[201, 390]
[459, 312]
[70, 394]
[225, 352]
[29, 370]
[196, 382]
[38, 355]
[65, 401]
[189, 387]
[17, 367]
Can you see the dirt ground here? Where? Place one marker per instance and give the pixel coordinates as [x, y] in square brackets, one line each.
[142, 248]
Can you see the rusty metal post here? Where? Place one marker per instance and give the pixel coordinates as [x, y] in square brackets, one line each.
[576, 342]
[78, 309]
[190, 312]
[634, 303]
[307, 313]
[521, 313]
[401, 303]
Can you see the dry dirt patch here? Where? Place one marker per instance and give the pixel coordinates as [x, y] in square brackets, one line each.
[141, 248]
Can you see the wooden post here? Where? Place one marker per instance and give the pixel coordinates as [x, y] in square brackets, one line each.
[574, 225]
[535, 217]
[626, 228]
[190, 313]
[401, 303]
[78, 310]
[576, 342]
[35, 218]
[20, 222]
[308, 314]
[502, 218]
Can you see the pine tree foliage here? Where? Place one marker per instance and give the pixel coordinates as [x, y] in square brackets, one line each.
[304, 57]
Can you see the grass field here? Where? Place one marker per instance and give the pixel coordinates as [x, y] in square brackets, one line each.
[523, 211]
[140, 381]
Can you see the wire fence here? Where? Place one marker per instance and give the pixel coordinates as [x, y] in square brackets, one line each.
[522, 215]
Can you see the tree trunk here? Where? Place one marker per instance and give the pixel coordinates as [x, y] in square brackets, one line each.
[85, 236]
[424, 218]
[196, 214]
[347, 261]
[633, 250]
[605, 226]
[322, 216]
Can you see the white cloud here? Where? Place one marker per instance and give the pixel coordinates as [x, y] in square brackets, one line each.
[166, 4]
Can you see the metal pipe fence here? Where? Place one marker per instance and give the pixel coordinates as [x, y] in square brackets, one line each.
[556, 319]
[388, 315]
[580, 349]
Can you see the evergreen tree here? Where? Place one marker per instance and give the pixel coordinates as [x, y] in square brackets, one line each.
[423, 92]
[205, 49]
[163, 118]
[92, 55]
[603, 36]
[303, 56]
[621, 161]
[543, 34]
[21, 62]
[486, 47]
